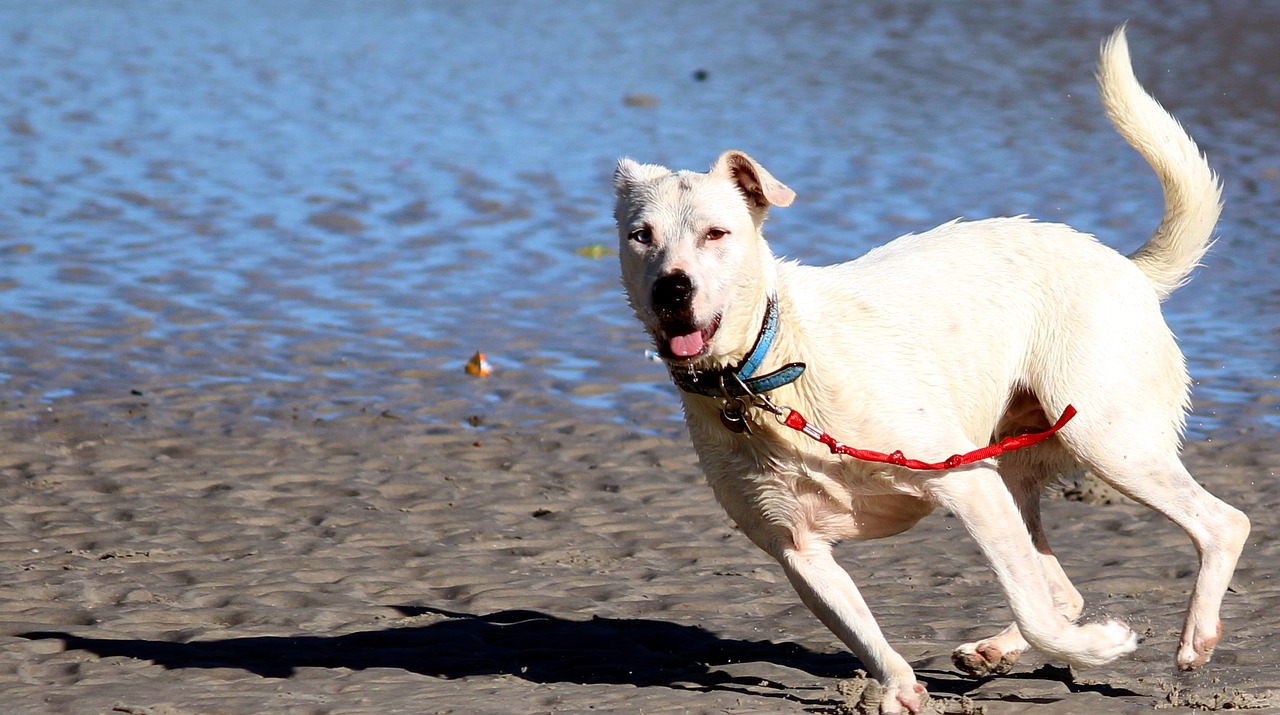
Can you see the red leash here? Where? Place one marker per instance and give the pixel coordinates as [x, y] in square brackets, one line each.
[797, 422]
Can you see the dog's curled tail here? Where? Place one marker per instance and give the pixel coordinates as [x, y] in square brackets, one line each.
[1192, 192]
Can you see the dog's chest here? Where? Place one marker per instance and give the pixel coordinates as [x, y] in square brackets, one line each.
[777, 477]
[806, 496]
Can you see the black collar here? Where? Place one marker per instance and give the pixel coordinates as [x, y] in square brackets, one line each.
[740, 381]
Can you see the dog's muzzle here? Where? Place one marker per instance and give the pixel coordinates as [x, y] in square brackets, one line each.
[679, 337]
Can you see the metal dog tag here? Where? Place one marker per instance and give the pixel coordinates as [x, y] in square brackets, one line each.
[732, 418]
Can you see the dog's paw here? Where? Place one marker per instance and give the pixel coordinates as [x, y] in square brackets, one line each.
[988, 657]
[903, 698]
[1197, 646]
[991, 656]
[866, 696]
[1103, 642]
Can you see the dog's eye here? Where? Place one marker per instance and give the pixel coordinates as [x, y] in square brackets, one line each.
[716, 234]
[642, 235]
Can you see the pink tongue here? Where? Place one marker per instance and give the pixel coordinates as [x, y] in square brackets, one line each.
[687, 345]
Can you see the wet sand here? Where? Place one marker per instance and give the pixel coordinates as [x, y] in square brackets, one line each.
[179, 551]
[245, 249]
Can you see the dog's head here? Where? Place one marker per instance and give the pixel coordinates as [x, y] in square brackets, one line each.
[694, 263]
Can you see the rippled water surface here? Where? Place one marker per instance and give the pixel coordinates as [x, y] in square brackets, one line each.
[348, 199]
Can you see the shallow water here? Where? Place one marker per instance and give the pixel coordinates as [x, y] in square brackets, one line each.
[340, 202]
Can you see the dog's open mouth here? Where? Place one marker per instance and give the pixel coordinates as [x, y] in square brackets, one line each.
[683, 343]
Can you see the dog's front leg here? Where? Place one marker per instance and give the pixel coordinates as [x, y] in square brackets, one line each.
[976, 495]
[828, 591]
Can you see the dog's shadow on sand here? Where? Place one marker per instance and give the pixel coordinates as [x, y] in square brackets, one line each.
[530, 645]
[526, 644]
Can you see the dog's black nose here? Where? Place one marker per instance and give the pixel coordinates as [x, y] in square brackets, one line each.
[673, 293]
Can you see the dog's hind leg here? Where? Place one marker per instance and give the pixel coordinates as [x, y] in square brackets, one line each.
[1025, 474]
[1160, 481]
[986, 509]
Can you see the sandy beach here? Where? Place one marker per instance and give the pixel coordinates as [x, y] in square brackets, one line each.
[175, 552]
[246, 249]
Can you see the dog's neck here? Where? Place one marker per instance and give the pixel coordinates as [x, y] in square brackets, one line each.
[741, 381]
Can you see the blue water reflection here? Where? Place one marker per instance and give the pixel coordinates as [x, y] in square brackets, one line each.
[318, 193]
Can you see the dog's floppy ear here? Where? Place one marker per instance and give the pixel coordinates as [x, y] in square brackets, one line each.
[758, 185]
[631, 172]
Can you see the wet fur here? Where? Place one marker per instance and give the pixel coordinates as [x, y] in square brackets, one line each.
[936, 344]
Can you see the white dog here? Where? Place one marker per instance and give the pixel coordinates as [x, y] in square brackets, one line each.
[934, 344]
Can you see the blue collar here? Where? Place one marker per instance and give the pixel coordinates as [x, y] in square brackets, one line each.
[741, 381]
